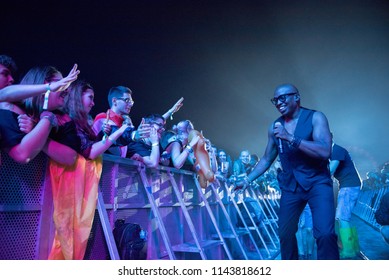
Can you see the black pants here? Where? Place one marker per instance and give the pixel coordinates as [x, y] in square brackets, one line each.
[321, 201]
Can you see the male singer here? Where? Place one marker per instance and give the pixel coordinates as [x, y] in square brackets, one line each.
[302, 140]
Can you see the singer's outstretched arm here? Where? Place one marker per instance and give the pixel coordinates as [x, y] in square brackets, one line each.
[268, 157]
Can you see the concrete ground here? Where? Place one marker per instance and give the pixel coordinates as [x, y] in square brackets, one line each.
[372, 245]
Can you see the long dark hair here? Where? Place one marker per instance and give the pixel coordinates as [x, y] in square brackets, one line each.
[75, 108]
[37, 75]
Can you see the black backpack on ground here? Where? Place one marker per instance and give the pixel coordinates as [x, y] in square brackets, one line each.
[130, 240]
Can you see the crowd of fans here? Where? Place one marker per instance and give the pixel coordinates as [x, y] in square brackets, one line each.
[46, 112]
[377, 179]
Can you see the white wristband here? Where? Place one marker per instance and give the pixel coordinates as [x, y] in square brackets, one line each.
[111, 139]
[133, 136]
[46, 99]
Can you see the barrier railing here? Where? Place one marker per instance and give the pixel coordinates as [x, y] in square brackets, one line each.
[367, 204]
[183, 221]
[25, 206]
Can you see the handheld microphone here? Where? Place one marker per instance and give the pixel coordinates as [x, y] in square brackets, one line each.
[280, 148]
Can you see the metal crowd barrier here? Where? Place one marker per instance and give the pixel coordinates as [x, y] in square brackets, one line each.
[182, 220]
[367, 205]
[25, 206]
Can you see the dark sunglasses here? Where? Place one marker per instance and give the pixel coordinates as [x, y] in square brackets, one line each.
[281, 98]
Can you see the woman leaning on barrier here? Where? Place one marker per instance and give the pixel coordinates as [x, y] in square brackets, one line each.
[23, 135]
[74, 186]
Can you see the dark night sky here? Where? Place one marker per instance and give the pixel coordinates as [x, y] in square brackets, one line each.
[225, 58]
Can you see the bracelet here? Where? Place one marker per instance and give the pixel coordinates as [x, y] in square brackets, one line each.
[133, 134]
[296, 141]
[189, 149]
[155, 144]
[112, 140]
[46, 100]
[50, 117]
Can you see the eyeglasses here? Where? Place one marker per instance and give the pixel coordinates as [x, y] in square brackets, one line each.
[127, 100]
[281, 98]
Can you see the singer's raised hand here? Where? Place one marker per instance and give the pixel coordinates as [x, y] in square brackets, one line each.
[280, 131]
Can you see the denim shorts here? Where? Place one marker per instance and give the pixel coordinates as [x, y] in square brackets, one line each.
[347, 198]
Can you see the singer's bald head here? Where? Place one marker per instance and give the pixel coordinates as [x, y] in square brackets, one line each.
[285, 89]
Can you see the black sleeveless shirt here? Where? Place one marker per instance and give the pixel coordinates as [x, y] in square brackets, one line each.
[298, 167]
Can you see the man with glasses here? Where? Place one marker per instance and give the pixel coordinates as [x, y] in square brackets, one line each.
[302, 140]
[120, 102]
